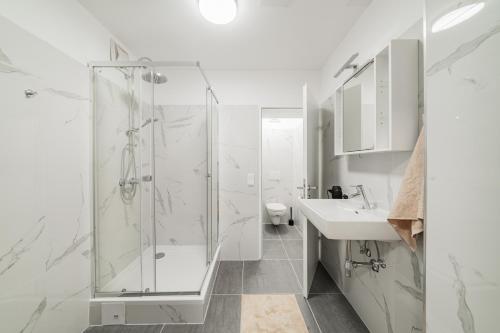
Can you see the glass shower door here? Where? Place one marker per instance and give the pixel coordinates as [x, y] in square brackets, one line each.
[181, 180]
[146, 130]
[213, 158]
[155, 178]
[121, 166]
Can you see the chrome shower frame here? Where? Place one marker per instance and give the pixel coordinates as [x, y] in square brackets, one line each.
[139, 64]
[145, 64]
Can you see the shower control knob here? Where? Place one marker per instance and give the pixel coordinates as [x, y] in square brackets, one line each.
[133, 181]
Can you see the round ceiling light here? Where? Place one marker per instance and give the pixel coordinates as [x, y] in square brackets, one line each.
[456, 16]
[218, 11]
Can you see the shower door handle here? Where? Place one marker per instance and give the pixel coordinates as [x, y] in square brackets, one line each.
[132, 181]
[147, 178]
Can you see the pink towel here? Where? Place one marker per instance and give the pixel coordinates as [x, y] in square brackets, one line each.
[407, 214]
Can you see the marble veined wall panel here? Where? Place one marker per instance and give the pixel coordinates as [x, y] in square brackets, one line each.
[181, 174]
[238, 201]
[281, 164]
[462, 77]
[45, 239]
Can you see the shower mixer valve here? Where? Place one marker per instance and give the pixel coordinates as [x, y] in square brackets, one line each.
[131, 181]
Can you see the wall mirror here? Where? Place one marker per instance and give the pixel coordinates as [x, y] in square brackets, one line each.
[359, 110]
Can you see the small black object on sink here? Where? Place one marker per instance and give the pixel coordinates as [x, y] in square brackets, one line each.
[335, 192]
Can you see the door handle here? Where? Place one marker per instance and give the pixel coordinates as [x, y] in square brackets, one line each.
[309, 189]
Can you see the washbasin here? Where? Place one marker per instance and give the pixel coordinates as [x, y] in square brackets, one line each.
[347, 219]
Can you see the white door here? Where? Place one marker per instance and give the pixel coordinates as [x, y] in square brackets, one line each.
[310, 184]
[310, 111]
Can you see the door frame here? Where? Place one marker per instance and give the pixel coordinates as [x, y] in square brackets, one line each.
[261, 206]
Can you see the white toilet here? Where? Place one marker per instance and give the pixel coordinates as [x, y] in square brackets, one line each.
[275, 211]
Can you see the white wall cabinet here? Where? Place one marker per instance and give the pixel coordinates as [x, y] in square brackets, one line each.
[393, 97]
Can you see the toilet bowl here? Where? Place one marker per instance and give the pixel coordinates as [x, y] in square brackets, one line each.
[275, 211]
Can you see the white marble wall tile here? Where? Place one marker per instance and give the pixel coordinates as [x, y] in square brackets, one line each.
[44, 219]
[384, 300]
[462, 100]
[239, 203]
[181, 169]
[282, 157]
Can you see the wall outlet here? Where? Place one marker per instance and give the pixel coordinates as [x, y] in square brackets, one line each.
[112, 313]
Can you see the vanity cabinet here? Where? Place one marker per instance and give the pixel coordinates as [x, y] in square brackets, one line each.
[376, 109]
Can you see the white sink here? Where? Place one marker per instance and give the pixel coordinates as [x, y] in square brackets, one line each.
[346, 219]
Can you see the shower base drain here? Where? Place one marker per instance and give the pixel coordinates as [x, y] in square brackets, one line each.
[160, 255]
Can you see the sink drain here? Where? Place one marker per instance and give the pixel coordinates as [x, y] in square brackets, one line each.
[160, 255]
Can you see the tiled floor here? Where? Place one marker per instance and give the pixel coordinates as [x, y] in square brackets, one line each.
[268, 277]
[280, 271]
[284, 242]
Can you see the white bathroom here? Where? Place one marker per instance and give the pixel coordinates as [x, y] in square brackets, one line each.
[248, 166]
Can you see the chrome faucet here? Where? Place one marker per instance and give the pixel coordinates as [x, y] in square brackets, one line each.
[360, 191]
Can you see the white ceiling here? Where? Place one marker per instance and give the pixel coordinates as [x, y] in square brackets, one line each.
[267, 34]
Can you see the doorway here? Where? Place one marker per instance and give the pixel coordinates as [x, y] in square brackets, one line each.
[282, 164]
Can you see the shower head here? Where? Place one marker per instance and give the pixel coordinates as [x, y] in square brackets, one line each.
[154, 77]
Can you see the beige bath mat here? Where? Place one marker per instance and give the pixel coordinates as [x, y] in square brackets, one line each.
[271, 314]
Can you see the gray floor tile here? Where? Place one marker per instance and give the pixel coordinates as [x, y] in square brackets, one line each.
[224, 314]
[311, 324]
[298, 268]
[293, 248]
[323, 283]
[335, 315]
[269, 276]
[183, 328]
[124, 329]
[288, 232]
[273, 249]
[228, 279]
[269, 231]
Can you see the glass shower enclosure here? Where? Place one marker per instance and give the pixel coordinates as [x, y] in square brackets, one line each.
[155, 177]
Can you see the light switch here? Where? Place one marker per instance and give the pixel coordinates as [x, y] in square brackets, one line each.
[250, 179]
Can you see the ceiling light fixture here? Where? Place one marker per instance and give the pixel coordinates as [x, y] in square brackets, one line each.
[457, 16]
[218, 11]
